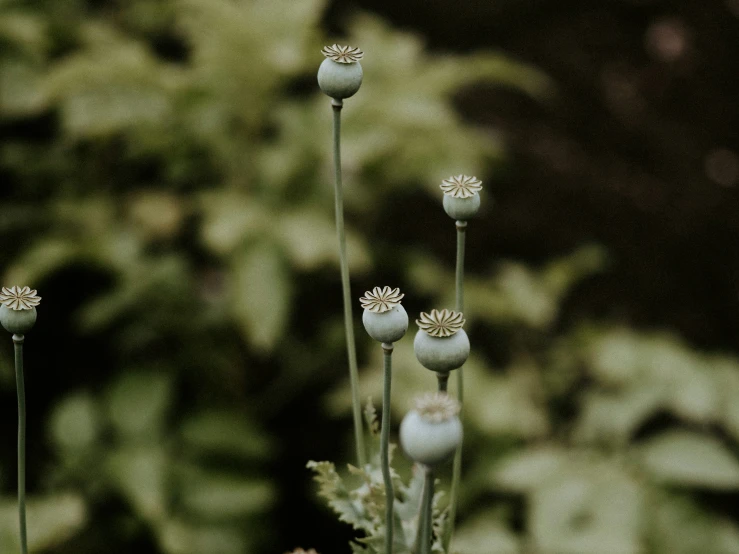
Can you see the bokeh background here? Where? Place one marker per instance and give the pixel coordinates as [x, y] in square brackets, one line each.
[166, 185]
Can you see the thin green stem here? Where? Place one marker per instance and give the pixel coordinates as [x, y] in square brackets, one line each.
[459, 273]
[20, 384]
[348, 320]
[457, 467]
[385, 447]
[443, 379]
[425, 526]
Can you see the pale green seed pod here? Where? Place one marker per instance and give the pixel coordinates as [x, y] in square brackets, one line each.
[441, 344]
[384, 318]
[388, 326]
[462, 209]
[430, 433]
[340, 74]
[442, 354]
[18, 309]
[461, 196]
[18, 322]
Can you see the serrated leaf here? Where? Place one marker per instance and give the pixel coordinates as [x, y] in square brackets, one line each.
[690, 459]
[370, 417]
[261, 292]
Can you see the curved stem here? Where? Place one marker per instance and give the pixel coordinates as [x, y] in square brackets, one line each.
[385, 448]
[20, 384]
[457, 467]
[348, 320]
[425, 526]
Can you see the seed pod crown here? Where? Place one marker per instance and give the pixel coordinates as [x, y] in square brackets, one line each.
[461, 186]
[444, 323]
[342, 54]
[381, 299]
[19, 298]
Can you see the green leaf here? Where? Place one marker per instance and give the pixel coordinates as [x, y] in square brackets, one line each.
[185, 537]
[614, 417]
[526, 470]
[690, 459]
[137, 404]
[217, 497]
[310, 242]
[222, 432]
[593, 507]
[261, 293]
[484, 534]
[140, 473]
[75, 423]
[678, 526]
[21, 93]
[51, 521]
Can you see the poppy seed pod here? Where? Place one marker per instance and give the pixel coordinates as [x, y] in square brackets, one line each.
[340, 74]
[441, 344]
[18, 322]
[461, 209]
[461, 196]
[18, 309]
[384, 317]
[431, 432]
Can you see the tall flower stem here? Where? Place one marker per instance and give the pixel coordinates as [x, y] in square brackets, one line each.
[457, 467]
[18, 347]
[348, 320]
[425, 525]
[385, 447]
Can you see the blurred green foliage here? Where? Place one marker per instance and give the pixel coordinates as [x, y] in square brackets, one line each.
[174, 156]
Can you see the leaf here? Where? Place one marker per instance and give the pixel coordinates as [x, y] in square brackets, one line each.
[679, 526]
[690, 459]
[484, 534]
[261, 293]
[310, 241]
[231, 219]
[209, 497]
[332, 488]
[526, 470]
[370, 417]
[141, 475]
[21, 93]
[595, 506]
[613, 418]
[51, 521]
[75, 423]
[112, 85]
[222, 432]
[137, 404]
[184, 537]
